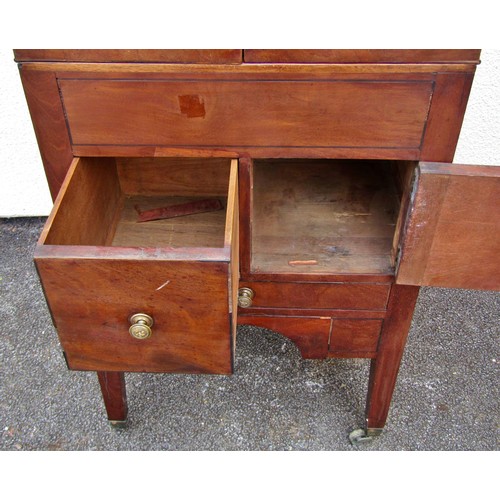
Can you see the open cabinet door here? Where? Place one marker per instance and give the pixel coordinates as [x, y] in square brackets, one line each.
[451, 236]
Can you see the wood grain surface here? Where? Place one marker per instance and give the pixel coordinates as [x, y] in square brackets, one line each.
[222, 113]
[452, 236]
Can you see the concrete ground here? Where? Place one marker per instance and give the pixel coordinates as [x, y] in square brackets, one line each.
[446, 398]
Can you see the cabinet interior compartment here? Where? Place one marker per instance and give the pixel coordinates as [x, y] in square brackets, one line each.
[326, 216]
[104, 196]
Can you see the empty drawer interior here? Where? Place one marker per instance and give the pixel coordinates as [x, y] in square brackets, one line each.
[326, 216]
[143, 202]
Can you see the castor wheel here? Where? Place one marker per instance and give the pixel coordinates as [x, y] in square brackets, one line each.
[360, 436]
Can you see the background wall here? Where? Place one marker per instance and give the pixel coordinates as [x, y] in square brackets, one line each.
[24, 192]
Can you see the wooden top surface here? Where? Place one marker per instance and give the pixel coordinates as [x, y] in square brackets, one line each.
[235, 56]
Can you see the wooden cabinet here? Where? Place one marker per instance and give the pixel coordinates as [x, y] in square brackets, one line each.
[318, 183]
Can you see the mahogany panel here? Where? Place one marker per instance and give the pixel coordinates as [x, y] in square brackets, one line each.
[365, 56]
[357, 337]
[225, 113]
[47, 115]
[291, 152]
[310, 335]
[446, 115]
[245, 178]
[334, 313]
[174, 176]
[319, 295]
[452, 235]
[84, 213]
[91, 301]
[213, 56]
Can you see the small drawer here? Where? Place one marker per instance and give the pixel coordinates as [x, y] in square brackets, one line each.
[99, 266]
[370, 296]
[354, 337]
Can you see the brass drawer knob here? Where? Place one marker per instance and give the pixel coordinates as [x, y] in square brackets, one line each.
[245, 296]
[140, 326]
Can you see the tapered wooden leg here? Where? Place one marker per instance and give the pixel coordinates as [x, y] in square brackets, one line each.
[385, 367]
[114, 395]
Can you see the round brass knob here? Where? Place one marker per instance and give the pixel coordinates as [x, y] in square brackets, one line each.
[245, 296]
[140, 326]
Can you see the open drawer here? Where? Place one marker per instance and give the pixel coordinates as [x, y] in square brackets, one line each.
[100, 266]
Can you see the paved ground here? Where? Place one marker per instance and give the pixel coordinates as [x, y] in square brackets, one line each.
[447, 396]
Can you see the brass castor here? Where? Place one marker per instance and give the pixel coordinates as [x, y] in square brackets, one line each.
[360, 436]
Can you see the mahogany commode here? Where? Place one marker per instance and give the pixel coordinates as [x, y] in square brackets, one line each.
[331, 199]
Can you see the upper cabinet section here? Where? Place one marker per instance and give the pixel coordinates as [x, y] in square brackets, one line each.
[355, 56]
[237, 56]
[179, 56]
[361, 104]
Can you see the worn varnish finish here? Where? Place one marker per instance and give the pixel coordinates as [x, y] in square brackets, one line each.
[363, 56]
[452, 237]
[46, 110]
[114, 395]
[368, 296]
[320, 238]
[354, 337]
[309, 334]
[231, 56]
[82, 279]
[385, 367]
[338, 216]
[224, 114]
[91, 301]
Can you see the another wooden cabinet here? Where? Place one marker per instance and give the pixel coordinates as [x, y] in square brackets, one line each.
[331, 198]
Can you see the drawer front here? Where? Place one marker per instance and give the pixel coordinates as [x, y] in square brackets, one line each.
[91, 302]
[246, 114]
[354, 337]
[318, 295]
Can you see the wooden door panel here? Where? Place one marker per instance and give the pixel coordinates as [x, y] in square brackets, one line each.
[452, 233]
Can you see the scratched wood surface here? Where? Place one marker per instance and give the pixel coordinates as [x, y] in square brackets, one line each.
[339, 214]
